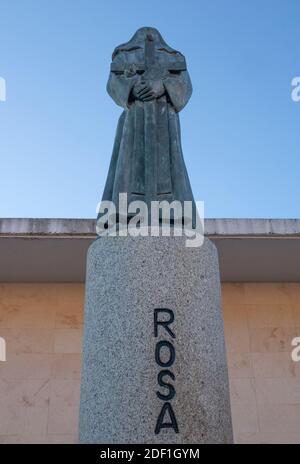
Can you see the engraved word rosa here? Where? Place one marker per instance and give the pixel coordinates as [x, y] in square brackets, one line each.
[165, 358]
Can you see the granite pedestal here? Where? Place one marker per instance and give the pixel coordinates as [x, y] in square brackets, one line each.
[154, 362]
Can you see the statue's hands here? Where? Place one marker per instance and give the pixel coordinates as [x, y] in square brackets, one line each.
[137, 89]
[148, 90]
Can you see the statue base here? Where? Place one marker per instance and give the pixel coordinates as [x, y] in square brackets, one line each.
[154, 360]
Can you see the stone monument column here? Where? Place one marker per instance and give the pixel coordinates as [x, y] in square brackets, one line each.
[154, 361]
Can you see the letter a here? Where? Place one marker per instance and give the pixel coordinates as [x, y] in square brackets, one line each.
[166, 425]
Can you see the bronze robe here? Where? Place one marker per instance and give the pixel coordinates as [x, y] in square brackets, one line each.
[147, 161]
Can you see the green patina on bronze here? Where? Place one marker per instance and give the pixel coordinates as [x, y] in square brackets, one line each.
[150, 81]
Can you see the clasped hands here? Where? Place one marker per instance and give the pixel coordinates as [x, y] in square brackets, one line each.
[147, 90]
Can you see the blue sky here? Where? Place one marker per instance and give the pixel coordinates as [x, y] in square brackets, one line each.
[240, 130]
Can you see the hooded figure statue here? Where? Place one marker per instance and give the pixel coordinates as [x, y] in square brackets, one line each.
[150, 81]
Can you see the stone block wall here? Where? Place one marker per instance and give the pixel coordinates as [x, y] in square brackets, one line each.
[39, 382]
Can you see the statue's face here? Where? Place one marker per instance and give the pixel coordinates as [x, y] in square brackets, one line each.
[147, 53]
[150, 32]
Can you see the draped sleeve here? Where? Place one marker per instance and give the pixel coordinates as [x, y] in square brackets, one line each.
[179, 89]
[119, 88]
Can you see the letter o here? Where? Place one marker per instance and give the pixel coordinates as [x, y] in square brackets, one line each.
[171, 348]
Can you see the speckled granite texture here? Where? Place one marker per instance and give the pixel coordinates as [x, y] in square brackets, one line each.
[127, 279]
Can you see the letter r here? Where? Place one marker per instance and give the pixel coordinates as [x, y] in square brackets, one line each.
[164, 323]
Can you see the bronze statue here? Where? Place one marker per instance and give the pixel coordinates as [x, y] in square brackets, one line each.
[150, 81]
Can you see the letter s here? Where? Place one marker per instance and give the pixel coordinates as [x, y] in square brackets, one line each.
[162, 383]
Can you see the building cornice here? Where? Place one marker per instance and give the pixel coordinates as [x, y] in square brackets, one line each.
[54, 250]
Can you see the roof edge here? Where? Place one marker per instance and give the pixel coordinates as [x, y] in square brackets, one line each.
[39, 227]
